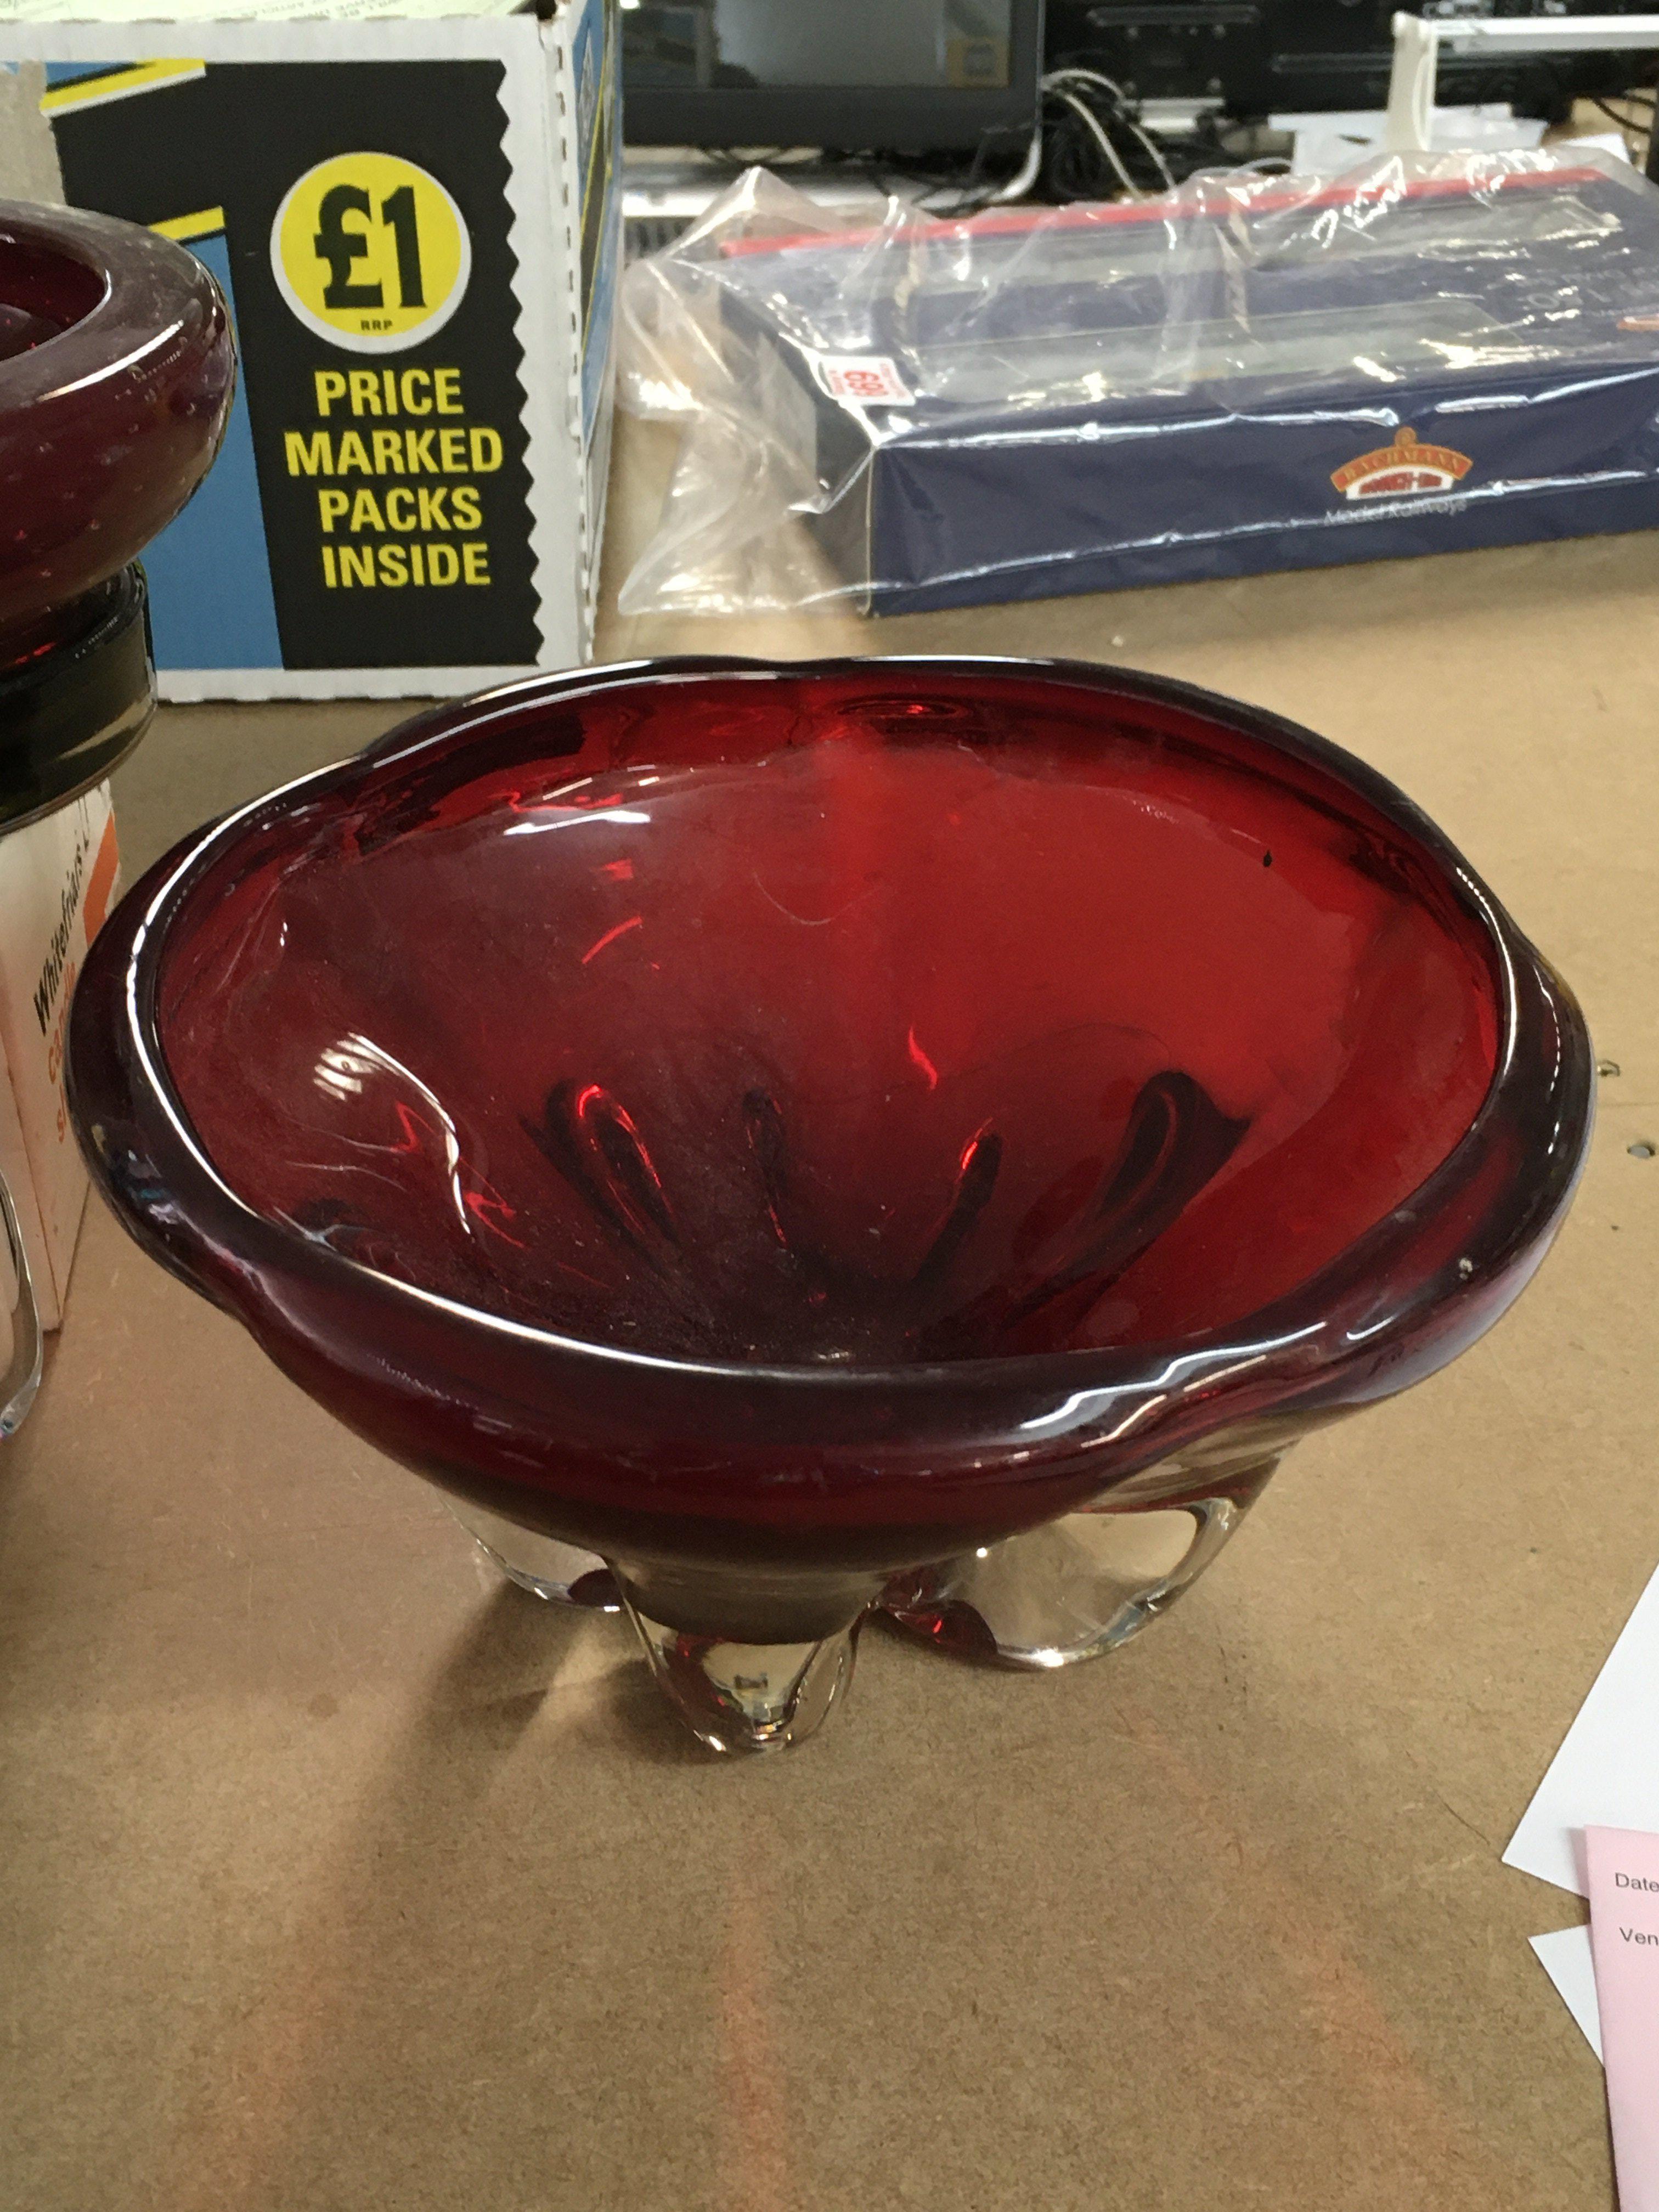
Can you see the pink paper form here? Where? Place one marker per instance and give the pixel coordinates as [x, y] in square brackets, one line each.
[1623, 1866]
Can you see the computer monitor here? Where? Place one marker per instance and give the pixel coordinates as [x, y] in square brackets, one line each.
[900, 77]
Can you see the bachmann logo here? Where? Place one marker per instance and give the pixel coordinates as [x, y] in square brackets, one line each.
[1404, 466]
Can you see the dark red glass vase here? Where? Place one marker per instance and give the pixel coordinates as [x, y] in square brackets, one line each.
[117, 368]
[794, 1131]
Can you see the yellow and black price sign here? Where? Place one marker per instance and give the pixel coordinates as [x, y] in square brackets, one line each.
[371, 253]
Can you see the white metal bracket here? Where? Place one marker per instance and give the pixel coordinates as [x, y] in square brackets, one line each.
[1418, 40]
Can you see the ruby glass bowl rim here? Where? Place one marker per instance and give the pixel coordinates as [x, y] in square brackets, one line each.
[144, 369]
[1305, 1344]
[138, 273]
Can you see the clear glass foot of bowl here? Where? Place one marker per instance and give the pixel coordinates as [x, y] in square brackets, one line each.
[1079, 1587]
[562, 1573]
[747, 1697]
[751, 1661]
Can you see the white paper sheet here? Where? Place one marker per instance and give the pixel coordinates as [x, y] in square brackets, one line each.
[1597, 142]
[1565, 1958]
[1605, 1774]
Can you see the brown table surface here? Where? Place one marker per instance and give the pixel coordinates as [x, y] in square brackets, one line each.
[335, 1873]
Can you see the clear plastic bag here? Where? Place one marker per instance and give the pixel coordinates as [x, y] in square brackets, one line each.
[1430, 352]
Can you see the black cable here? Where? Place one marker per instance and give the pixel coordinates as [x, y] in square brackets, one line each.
[1118, 108]
[1637, 126]
[968, 201]
[1095, 147]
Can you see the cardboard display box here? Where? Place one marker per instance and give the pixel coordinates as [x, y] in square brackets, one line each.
[58, 878]
[415, 227]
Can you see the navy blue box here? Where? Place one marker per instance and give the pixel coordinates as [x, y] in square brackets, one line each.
[1283, 376]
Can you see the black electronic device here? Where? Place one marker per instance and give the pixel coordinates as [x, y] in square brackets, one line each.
[903, 76]
[1257, 57]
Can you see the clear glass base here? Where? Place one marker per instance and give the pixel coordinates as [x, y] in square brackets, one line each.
[748, 1697]
[561, 1573]
[751, 1659]
[1077, 1588]
[735, 1697]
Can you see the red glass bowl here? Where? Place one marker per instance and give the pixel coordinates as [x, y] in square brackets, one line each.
[117, 368]
[789, 1130]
